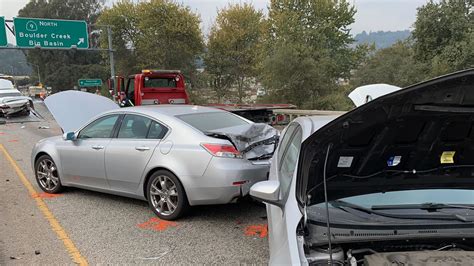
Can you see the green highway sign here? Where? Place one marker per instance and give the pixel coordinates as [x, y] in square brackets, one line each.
[90, 82]
[3, 32]
[51, 33]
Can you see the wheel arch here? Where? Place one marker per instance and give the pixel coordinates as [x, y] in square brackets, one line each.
[38, 155]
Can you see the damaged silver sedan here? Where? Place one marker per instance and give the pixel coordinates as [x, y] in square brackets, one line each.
[172, 156]
[11, 100]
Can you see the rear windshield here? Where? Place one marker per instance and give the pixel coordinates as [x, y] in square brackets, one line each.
[210, 121]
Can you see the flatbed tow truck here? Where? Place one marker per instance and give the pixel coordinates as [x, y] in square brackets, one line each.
[152, 87]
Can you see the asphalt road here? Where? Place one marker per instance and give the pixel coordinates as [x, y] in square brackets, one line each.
[107, 229]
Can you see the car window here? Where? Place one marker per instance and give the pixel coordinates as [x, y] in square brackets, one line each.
[131, 90]
[100, 128]
[134, 127]
[287, 164]
[212, 120]
[287, 134]
[157, 131]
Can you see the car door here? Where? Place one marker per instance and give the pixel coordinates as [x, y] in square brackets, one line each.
[128, 154]
[281, 220]
[83, 159]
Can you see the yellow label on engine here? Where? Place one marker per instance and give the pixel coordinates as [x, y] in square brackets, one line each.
[447, 157]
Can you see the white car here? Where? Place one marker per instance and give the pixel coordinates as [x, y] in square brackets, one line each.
[392, 182]
[11, 100]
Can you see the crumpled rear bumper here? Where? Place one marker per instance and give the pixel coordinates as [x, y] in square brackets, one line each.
[225, 180]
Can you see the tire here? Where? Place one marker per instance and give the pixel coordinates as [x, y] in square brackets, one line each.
[166, 196]
[47, 175]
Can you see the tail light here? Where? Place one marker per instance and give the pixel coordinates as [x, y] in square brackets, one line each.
[222, 150]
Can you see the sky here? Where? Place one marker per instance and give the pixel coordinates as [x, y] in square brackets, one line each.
[372, 15]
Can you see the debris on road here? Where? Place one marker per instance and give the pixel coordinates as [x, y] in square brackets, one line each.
[37, 252]
[161, 255]
[43, 127]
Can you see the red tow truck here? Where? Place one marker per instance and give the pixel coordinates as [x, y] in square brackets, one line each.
[151, 87]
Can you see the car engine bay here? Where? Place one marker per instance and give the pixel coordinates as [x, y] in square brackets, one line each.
[401, 252]
[446, 245]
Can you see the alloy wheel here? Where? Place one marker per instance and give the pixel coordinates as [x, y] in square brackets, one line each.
[47, 174]
[164, 195]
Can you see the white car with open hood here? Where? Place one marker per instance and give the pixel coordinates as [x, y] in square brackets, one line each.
[11, 100]
[391, 182]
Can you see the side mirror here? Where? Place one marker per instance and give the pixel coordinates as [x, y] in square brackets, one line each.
[267, 191]
[69, 136]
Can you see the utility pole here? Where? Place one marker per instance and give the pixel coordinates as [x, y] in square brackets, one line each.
[112, 63]
[38, 70]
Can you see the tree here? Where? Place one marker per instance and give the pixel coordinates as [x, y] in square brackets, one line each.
[51, 61]
[444, 35]
[124, 19]
[156, 34]
[234, 48]
[395, 65]
[308, 49]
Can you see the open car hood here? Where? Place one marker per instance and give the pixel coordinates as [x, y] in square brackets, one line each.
[367, 93]
[72, 109]
[421, 137]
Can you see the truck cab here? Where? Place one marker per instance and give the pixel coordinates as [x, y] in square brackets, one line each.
[153, 87]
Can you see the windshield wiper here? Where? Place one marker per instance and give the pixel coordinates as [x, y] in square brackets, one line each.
[423, 206]
[343, 204]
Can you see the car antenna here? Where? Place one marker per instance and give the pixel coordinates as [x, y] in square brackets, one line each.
[326, 203]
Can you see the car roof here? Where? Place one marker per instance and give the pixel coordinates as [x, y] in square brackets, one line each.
[313, 123]
[172, 109]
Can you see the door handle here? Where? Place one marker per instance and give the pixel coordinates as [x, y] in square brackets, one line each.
[142, 148]
[97, 147]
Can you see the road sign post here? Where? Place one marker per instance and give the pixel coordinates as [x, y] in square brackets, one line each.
[51, 33]
[3, 32]
[90, 83]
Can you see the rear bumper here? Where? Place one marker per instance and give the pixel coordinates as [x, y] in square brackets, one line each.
[225, 180]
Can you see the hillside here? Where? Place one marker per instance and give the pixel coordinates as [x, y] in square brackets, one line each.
[382, 39]
[13, 62]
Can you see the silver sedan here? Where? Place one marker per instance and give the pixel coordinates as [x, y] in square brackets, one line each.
[157, 153]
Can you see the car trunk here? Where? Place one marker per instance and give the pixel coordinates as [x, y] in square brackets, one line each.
[254, 141]
[420, 137]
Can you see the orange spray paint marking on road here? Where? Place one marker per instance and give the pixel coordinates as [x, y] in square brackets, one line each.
[44, 195]
[13, 140]
[157, 224]
[260, 230]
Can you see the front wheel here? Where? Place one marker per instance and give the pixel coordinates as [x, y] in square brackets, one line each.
[47, 175]
[166, 195]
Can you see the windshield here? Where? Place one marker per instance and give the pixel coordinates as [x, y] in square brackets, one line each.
[10, 94]
[210, 121]
[444, 196]
[151, 82]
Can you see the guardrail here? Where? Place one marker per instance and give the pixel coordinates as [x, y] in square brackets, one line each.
[284, 116]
